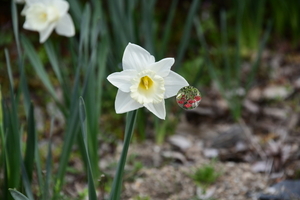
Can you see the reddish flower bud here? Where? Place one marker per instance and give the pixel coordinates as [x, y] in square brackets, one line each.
[191, 101]
[180, 102]
[197, 98]
[188, 105]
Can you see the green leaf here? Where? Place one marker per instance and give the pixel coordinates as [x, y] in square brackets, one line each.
[70, 135]
[26, 182]
[75, 8]
[3, 154]
[53, 60]
[85, 27]
[12, 135]
[17, 195]
[1, 113]
[23, 84]
[167, 28]
[15, 25]
[10, 76]
[147, 15]
[186, 32]
[39, 169]
[82, 114]
[48, 177]
[118, 179]
[224, 38]
[211, 67]
[38, 66]
[52, 55]
[255, 64]
[30, 144]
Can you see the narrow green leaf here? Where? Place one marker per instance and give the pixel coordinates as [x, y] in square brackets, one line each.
[23, 86]
[75, 7]
[85, 27]
[224, 38]
[237, 65]
[52, 55]
[186, 32]
[10, 76]
[1, 118]
[30, 144]
[118, 179]
[53, 60]
[12, 137]
[48, 178]
[16, 25]
[6, 166]
[38, 66]
[82, 114]
[211, 67]
[3, 160]
[147, 13]
[117, 17]
[167, 28]
[131, 5]
[26, 182]
[102, 59]
[97, 22]
[39, 169]
[255, 64]
[17, 195]
[70, 135]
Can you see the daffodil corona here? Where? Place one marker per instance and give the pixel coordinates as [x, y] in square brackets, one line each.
[46, 15]
[144, 82]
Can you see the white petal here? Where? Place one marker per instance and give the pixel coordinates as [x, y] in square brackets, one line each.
[65, 26]
[125, 103]
[135, 57]
[61, 5]
[157, 109]
[44, 34]
[173, 83]
[28, 26]
[37, 17]
[122, 80]
[23, 12]
[29, 2]
[162, 67]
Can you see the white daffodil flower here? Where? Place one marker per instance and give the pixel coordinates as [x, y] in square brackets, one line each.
[45, 15]
[144, 82]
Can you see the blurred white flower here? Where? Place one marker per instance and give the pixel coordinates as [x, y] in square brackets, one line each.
[45, 15]
[144, 82]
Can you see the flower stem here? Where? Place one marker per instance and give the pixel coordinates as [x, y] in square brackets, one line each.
[117, 183]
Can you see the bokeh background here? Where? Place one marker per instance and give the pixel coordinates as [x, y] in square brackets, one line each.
[243, 56]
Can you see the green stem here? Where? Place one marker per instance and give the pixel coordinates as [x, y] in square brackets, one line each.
[117, 183]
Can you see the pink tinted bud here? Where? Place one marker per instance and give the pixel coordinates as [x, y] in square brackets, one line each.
[180, 102]
[191, 101]
[197, 98]
[188, 105]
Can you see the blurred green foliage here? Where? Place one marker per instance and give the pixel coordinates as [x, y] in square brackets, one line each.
[205, 175]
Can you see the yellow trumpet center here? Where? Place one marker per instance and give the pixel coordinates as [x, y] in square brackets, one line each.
[145, 83]
[43, 16]
[147, 87]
